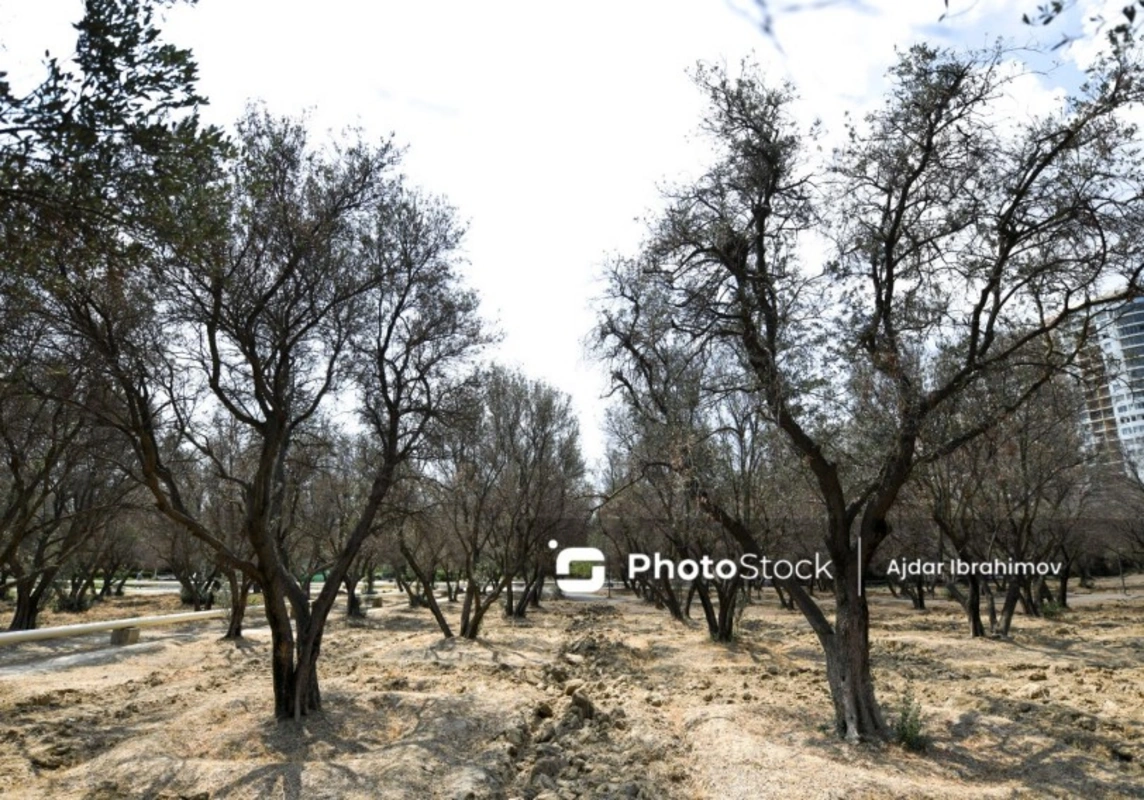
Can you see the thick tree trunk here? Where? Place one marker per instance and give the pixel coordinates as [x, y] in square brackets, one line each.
[31, 592]
[728, 597]
[1025, 598]
[81, 585]
[709, 615]
[471, 627]
[239, 592]
[668, 597]
[508, 600]
[520, 610]
[28, 597]
[856, 713]
[293, 664]
[1012, 595]
[442, 623]
[191, 590]
[467, 605]
[846, 645]
[973, 607]
[353, 602]
[992, 604]
[1063, 588]
[914, 591]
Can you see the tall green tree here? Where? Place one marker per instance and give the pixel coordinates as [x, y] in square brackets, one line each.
[94, 154]
[93, 163]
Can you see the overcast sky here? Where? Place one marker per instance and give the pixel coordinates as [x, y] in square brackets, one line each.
[549, 125]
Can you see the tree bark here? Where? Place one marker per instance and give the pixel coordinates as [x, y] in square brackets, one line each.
[508, 600]
[973, 607]
[239, 592]
[1012, 595]
[31, 592]
[728, 592]
[29, 601]
[430, 597]
[668, 597]
[534, 598]
[353, 602]
[471, 627]
[699, 588]
[520, 610]
[857, 716]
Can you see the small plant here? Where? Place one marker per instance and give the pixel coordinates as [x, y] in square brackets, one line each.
[908, 728]
[69, 604]
[1051, 609]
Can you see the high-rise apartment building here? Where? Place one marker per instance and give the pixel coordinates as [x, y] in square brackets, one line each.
[1114, 394]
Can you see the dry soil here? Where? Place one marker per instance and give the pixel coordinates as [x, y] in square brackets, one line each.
[584, 699]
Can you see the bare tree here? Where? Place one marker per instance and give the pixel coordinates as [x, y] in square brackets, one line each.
[1021, 490]
[948, 231]
[307, 271]
[508, 477]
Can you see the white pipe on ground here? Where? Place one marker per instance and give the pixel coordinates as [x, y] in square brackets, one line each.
[64, 631]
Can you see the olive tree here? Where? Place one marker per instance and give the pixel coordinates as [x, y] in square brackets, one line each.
[310, 272]
[506, 478]
[943, 231]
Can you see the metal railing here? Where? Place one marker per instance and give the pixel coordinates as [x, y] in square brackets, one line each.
[64, 631]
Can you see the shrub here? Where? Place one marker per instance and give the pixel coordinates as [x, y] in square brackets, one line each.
[909, 731]
[66, 603]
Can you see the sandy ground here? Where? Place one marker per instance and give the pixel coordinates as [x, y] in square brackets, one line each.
[584, 699]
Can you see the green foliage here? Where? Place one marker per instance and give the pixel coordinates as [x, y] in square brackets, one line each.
[909, 730]
[580, 569]
[108, 143]
[1051, 609]
[65, 603]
